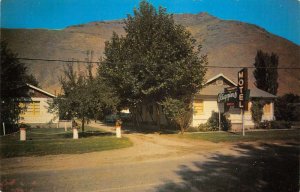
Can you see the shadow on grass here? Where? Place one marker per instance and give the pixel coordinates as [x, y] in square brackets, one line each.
[144, 128]
[87, 134]
[264, 168]
[147, 129]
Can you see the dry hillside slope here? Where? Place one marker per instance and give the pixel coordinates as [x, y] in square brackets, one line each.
[227, 43]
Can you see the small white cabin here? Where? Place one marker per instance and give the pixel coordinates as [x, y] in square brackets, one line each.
[36, 109]
[205, 102]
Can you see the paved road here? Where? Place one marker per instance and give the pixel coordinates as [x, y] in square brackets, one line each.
[135, 176]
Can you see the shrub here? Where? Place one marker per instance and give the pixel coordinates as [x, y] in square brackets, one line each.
[178, 112]
[204, 127]
[192, 129]
[213, 122]
[280, 124]
[257, 112]
[275, 125]
[265, 125]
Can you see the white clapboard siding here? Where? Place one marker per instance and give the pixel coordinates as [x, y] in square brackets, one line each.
[44, 115]
[209, 105]
[235, 116]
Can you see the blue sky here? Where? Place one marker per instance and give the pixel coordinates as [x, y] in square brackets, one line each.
[281, 17]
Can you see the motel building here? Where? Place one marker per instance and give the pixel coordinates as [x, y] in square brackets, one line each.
[205, 102]
[35, 109]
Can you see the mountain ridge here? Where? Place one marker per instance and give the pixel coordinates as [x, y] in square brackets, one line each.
[226, 42]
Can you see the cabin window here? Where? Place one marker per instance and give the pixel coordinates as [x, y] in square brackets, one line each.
[267, 108]
[198, 106]
[30, 108]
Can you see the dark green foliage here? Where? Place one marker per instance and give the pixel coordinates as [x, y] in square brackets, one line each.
[265, 125]
[266, 74]
[280, 125]
[257, 112]
[178, 112]
[287, 107]
[30, 79]
[84, 98]
[155, 60]
[13, 85]
[213, 122]
[275, 125]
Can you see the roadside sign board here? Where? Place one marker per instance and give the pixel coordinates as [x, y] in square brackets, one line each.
[229, 96]
[242, 89]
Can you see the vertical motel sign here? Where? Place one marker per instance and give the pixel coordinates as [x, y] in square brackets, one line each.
[242, 89]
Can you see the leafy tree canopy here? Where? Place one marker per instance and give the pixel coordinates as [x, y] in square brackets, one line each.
[266, 74]
[154, 60]
[84, 97]
[287, 107]
[14, 76]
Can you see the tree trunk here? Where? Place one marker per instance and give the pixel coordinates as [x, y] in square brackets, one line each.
[151, 114]
[82, 124]
[158, 117]
[181, 129]
[136, 121]
[140, 112]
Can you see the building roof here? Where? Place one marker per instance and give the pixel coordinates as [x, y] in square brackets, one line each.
[255, 92]
[213, 90]
[40, 90]
[220, 75]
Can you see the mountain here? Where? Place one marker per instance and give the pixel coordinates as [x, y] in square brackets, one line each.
[227, 43]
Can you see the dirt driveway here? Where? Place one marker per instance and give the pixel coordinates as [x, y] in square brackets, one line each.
[146, 147]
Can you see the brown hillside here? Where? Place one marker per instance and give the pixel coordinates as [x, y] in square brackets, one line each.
[227, 43]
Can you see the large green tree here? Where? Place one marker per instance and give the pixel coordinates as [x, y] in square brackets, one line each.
[265, 73]
[84, 96]
[14, 76]
[155, 60]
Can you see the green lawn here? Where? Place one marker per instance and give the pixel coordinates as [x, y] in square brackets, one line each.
[250, 136]
[57, 141]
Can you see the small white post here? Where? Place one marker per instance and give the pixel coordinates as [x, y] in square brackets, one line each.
[118, 131]
[75, 133]
[3, 127]
[118, 128]
[22, 134]
[65, 126]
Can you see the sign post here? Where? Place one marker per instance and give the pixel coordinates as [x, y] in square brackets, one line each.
[242, 91]
[236, 96]
[3, 127]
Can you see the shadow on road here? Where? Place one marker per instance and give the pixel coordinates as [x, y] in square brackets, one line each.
[263, 168]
